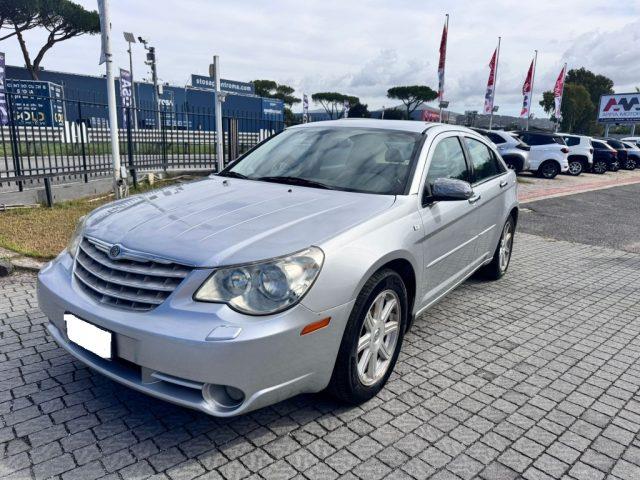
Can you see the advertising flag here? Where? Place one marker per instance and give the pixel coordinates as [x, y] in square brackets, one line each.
[491, 84]
[441, 62]
[346, 109]
[558, 90]
[305, 108]
[526, 92]
[125, 93]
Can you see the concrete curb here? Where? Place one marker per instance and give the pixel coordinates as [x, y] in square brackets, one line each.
[20, 262]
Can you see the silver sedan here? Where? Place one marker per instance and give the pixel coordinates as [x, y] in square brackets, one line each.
[298, 268]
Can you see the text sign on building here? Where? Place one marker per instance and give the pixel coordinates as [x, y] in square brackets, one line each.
[231, 86]
[36, 103]
[619, 108]
[272, 108]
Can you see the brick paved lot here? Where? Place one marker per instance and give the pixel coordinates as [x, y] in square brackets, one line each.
[535, 376]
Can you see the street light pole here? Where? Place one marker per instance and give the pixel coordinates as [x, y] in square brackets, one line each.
[218, 114]
[130, 38]
[107, 57]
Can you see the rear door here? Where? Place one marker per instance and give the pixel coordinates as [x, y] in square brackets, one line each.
[450, 227]
[489, 179]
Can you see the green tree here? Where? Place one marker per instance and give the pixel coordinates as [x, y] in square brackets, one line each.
[63, 20]
[596, 85]
[412, 96]
[333, 102]
[578, 111]
[359, 110]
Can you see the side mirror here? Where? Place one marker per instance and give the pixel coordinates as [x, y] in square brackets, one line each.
[450, 189]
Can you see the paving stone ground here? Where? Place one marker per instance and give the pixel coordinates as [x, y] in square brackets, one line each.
[534, 376]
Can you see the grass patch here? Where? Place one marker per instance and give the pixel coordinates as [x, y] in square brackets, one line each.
[44, 232]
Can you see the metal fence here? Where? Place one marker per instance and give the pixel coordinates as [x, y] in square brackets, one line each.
[58, 140]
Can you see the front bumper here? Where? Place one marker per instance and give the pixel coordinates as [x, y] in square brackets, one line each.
[164, 352]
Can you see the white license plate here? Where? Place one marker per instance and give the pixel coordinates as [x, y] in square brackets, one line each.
[88, 336]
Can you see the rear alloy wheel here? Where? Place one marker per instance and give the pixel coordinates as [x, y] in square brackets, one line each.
[372, 339]
[599, 167]
[549, 169]
[630, 164]
[502, 256]
[575, 167]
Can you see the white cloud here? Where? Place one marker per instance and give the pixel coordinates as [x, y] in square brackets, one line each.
[364, 47]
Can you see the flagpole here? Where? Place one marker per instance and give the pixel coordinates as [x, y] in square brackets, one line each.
[564, 76]
[533, 77]
[446, 23]
[495, 84]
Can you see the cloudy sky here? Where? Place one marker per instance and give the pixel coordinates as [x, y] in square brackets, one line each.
[364, 47]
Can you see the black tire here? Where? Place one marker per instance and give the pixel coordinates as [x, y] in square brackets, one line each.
[575, 167]
[614, 166]
[549, 169]
[345, 383]
[494, 270]
[630, 164]
[599, 167]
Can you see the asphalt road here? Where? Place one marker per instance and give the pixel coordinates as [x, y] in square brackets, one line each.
[607, 218]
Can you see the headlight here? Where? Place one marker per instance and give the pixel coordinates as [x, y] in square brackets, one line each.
[76, 237]
[262, 288]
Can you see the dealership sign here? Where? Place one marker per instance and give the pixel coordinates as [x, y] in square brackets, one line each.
[36, 103]
[272, 108]
[125, 93]
[208, 83]
[619, 108]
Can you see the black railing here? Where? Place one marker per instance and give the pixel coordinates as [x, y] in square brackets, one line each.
[65, 140]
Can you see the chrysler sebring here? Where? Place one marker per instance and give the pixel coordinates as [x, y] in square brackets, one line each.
[298, 268]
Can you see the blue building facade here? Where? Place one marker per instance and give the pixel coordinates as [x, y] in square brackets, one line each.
[190, 107]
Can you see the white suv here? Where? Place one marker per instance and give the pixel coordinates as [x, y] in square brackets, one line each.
[514, 151]
[548, 155]
[580, 153]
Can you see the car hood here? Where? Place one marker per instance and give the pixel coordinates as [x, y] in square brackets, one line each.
[220, 221]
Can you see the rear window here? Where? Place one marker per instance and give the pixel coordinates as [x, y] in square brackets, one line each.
[597, 144]
[615, 143]
[495, 138]
[572, 141]
[540, 139]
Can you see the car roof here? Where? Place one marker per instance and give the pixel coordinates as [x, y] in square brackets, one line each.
[397, 125]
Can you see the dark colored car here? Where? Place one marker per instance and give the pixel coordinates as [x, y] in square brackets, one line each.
[627, 162]
[633, 151]
[605, 157]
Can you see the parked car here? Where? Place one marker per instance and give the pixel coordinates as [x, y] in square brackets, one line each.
[633, 152]
[514, 151]
[548, 155]
[634, 140]
[580, 153]
[626, 162]
[298, 268]
[605, 157]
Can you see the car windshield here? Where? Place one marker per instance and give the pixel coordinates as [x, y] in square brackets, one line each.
[368, 160]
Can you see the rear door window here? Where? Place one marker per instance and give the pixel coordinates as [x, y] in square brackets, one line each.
[572, 141]
[485, 163]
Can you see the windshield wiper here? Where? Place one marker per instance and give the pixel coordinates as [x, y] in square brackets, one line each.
[303, 182]
[232, 175]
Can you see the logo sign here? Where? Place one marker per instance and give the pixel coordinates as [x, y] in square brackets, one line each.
[4, 110]
[619, 108]
[231, 86]
[125, 93]
[114, 251]
[305, 108]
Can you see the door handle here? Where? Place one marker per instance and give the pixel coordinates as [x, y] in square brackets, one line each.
[503, 183]
[473, 200]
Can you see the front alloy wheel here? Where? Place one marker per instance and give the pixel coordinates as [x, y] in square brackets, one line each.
[372, 338]
[378, 337]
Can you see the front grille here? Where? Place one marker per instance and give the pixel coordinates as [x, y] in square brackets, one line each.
[132, 284]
